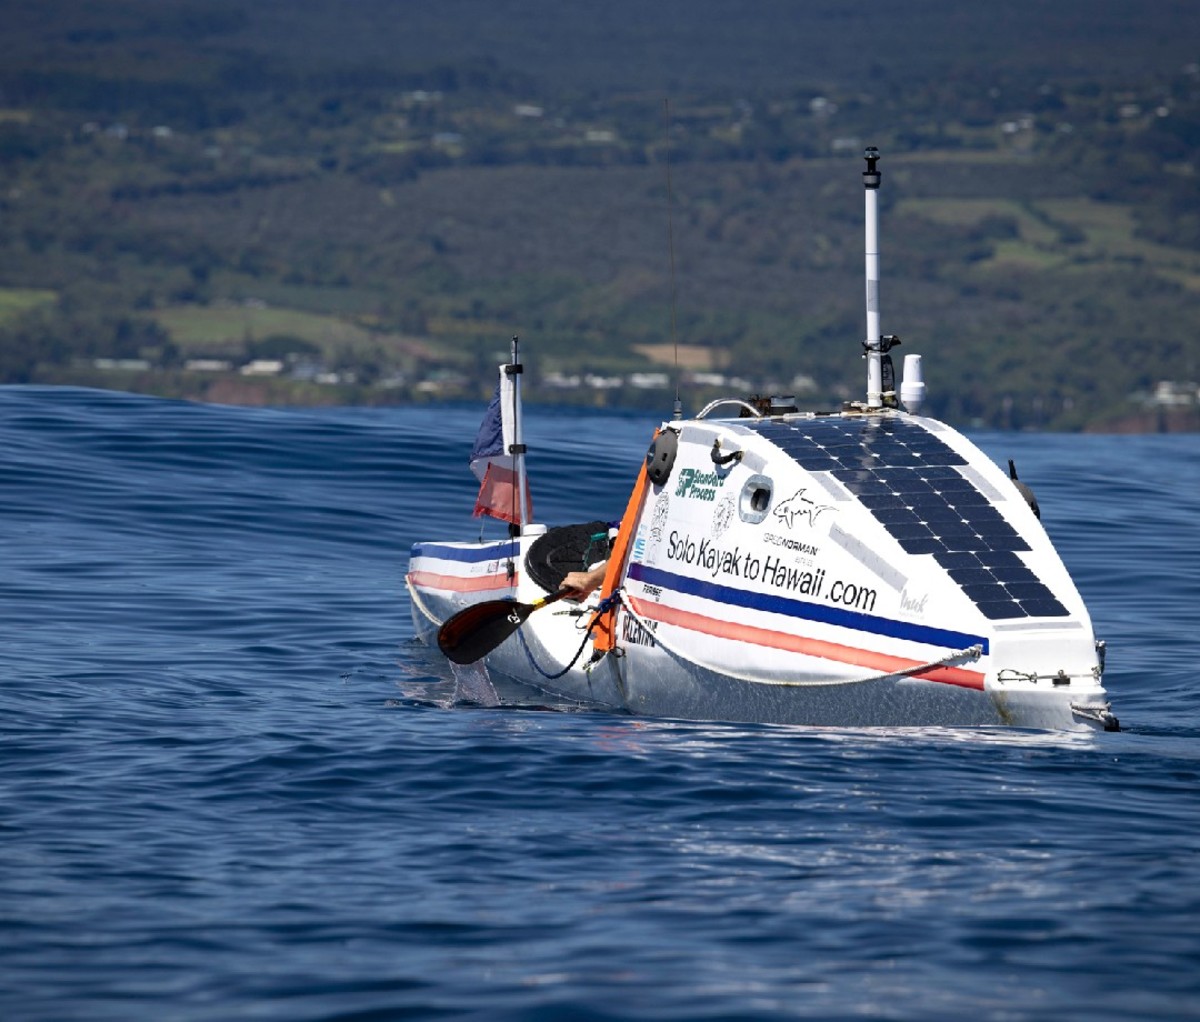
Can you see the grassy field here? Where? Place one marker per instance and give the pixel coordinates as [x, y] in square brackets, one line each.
[690, 356]
[16, 301]
[1109, 229]
[1053, 233]
[228, 327]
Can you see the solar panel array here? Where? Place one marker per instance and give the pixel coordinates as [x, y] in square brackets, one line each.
[910, 481]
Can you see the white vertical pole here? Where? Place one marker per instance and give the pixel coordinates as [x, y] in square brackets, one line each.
[871, 178]
[518, 444]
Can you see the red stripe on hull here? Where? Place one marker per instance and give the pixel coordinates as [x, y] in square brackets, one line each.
[772, 639]
[460, 583]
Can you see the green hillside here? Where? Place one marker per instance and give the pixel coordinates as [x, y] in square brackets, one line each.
[317, 202]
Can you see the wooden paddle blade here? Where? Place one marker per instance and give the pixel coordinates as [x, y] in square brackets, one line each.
[475, 631]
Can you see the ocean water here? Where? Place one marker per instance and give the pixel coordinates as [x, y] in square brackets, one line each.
[233, 787]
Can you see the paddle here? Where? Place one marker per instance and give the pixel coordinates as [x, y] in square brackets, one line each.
[475, 631]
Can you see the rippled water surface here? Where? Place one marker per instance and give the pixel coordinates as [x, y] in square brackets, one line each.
[233, 786]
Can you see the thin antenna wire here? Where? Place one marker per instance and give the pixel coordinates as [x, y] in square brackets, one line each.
[678, 410]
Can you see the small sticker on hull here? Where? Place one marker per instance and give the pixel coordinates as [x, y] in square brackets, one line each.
[722, 516]
[804, 551]
[633, 632]
[913, 604]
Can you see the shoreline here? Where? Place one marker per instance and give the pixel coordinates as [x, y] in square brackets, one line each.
[285, 393]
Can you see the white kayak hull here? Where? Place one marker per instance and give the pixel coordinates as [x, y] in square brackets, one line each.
[841, 571]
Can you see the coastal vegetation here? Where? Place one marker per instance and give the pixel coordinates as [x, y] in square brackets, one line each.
[192, 211]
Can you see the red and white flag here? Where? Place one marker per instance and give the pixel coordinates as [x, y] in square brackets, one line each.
[493, 464]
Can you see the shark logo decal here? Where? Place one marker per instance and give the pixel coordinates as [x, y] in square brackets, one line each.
[799, 506]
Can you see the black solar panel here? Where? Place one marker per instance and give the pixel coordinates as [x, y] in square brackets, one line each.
[909, 480]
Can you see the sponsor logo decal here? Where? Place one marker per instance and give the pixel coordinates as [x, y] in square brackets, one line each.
[658, 526]
[912, 604]
[633, 632]
[698, 485]
[722, 516]
[799, 506]
[797, 546]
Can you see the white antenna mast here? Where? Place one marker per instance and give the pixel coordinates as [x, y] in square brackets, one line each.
[677, 412]
[872, 345]
[881, 376]
[517, 447]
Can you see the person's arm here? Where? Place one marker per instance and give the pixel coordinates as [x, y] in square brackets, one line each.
[583, 583]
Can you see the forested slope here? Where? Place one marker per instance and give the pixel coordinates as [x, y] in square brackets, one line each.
[374, 196]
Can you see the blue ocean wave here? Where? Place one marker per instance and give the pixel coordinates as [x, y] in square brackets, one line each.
[236, 787]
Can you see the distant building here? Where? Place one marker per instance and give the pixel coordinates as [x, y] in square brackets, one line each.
[262, 367]
[1176, 393]
[139, 364]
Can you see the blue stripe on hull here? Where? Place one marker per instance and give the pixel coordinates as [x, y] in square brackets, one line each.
[467, 555]
[941, 637]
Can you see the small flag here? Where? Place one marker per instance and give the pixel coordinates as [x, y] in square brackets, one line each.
[489, 441]
[493, 466]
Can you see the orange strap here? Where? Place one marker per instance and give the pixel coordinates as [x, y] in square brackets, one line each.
[605, 626]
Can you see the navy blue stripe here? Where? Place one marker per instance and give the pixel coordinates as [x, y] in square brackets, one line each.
[467, 555]
[808, 611]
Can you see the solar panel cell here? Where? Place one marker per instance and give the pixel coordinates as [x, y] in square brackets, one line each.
[1044, 608]
[972, 576]
[1001, 610]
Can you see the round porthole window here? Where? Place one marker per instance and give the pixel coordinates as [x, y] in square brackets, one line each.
[755, 500]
